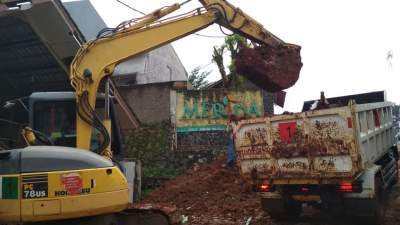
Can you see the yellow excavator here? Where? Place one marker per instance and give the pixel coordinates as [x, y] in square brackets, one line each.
[76, 177]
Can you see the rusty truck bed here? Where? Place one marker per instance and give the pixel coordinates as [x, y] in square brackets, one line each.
[314, 147]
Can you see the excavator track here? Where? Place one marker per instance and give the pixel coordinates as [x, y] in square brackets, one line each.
[126, 217]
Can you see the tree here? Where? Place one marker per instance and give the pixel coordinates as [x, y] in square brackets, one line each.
[218, 58]
[231, 44]
[197, 78]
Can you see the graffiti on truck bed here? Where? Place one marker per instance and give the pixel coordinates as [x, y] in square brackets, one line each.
[294, 147]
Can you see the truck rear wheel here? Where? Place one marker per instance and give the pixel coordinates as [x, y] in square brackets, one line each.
[282, 209]
[396, 176]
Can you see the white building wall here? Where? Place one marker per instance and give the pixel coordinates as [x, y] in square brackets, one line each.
[157, 66]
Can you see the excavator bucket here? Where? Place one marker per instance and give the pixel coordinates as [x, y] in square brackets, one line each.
[270, 68]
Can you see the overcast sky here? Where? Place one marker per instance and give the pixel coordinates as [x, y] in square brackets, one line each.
[345, 43]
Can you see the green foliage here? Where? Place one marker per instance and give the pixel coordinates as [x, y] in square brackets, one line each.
[231, 44]
[396, 110]
[198, 79]
[218, 54]
[151, 143]
[146, 192]
[218, 58]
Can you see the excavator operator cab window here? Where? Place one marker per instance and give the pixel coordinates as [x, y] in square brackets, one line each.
[57, 120]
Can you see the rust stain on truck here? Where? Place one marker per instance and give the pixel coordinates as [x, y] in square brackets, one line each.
[323, 139]
[311, 144]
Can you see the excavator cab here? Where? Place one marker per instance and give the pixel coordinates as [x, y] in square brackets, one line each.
[54, 115]
[62, 184]
[40, 183]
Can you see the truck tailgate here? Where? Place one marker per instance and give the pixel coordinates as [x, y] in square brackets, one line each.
[316, 146]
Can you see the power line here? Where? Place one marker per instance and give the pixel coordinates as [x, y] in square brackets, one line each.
[141, 12]
[130, 7]
[185, 2]
[209, 36]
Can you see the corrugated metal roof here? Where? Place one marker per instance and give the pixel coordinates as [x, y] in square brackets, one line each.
[26, 64]
[86, 18]
[38, 44]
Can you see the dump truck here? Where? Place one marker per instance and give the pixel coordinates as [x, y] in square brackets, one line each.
[342, 159]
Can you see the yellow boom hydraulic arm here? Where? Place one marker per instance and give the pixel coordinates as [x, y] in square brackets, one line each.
[97, 59]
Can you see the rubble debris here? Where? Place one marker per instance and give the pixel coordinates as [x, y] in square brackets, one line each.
[213, 194]
[287, 113]
[271, 68]
[184, 219]
[248, 221]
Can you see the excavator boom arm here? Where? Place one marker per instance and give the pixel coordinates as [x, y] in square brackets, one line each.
[97, 59]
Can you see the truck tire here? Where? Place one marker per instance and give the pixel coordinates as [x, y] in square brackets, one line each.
[286, 209]
[396, 157]
[396, 176]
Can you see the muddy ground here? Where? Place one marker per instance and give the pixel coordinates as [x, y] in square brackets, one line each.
[214, 194]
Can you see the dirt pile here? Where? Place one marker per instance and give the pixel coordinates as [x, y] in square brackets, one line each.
[209, 194]
[271, 68]
[214, 195]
